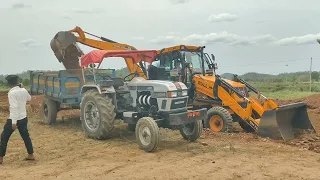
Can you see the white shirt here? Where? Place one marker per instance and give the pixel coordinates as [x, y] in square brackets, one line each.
[18, 98]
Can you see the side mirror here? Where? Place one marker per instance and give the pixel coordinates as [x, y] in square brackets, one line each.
[213, 57]
[215, 66]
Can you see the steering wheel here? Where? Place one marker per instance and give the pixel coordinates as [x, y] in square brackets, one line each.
[135, 75]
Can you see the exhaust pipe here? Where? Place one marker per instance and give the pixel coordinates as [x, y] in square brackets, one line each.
[66, 50]
[286, 122]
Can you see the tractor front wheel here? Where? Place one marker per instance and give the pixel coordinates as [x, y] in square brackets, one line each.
[147, 134]
[219, 120]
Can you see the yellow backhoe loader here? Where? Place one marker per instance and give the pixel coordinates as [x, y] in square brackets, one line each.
[229, 100]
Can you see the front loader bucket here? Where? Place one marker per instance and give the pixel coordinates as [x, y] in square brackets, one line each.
[66, 50]
[285, 122]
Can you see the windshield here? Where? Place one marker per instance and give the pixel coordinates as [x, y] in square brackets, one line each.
[191, 57]
[195, 59]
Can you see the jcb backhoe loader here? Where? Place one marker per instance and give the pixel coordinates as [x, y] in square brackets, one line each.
[228, 100]
[64, 45]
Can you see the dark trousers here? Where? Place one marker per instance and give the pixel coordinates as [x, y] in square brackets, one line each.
[22, 126]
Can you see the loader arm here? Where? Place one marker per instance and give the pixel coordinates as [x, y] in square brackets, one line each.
[101, 44]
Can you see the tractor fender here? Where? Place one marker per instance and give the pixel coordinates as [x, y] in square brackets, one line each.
[85, 88]
[110, 91]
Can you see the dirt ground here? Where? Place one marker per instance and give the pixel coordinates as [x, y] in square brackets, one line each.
[63, 152]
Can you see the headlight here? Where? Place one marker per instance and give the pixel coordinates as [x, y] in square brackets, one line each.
[160, 94]
[184, 93]
[172, 94]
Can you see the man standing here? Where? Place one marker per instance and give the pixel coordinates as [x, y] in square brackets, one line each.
[18, 97]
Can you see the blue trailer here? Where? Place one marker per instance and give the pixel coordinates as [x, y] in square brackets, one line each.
[62, 89]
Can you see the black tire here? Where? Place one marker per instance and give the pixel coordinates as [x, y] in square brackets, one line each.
[131, 127]
[151, 125]
[106, 110]
[224, 122]
[49, 111]
[192, 131]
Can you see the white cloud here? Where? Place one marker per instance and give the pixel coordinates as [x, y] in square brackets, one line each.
[86, 11]
[19, 5]
[66, 16]
[265, 38]
[29, 43]
[299, 40]
[220, 37]
[168, 40]
[179, 1]
[224, 17]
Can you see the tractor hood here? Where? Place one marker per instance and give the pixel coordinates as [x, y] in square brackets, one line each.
[139, 83]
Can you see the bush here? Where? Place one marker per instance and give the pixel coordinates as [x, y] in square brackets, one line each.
[26, 82]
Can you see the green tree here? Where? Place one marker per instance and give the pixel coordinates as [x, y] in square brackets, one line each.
[315, 76]
[26, 82]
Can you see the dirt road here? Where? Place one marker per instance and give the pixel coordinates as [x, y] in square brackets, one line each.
[63, 152]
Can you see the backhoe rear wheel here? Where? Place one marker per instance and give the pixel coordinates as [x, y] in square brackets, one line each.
[97, 115]
[219, 120]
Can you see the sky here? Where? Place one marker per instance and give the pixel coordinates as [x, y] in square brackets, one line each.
[245, 36]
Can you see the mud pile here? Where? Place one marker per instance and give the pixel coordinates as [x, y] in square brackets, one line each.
[313, 101]
[307, 140]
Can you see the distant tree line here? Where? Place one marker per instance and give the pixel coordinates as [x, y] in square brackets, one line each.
[283, 77]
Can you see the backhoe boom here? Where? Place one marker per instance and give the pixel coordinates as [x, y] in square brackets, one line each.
[66, 50]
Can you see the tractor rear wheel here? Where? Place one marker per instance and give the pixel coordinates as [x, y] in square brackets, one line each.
[49, 111]
[219, 120]
[147, 134]
[192, 131]
[97, 115]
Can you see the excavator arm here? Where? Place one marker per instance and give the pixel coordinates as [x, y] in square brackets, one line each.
[68, 52]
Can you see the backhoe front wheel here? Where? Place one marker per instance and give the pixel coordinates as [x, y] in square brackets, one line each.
[97, 115]
[192, 131]
[219, 120]
[147, 134]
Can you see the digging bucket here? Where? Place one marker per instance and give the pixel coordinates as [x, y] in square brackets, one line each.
[285, 122]
[66, 50]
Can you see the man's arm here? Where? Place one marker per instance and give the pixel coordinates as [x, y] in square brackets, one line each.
[13, 106]
[28, 96]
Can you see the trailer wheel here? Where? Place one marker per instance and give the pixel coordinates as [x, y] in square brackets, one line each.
[147, 134]
[219, 120]
[192, 131]
[49, 111]
[97, 115]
